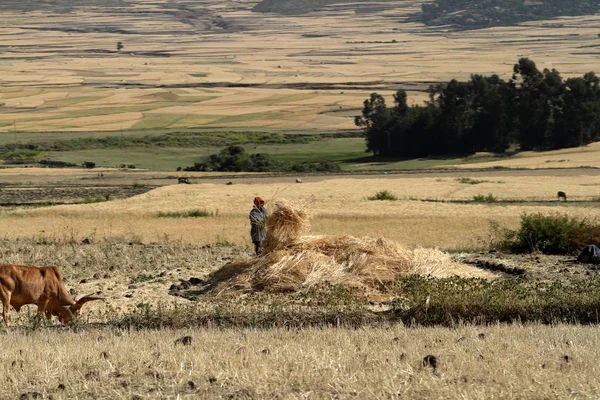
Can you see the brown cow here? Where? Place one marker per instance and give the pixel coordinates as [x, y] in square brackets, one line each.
[21, 285]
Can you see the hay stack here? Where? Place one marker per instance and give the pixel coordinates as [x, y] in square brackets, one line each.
[291, 262]
[285, 226]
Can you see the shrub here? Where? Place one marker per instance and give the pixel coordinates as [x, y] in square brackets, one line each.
[484, 199]
[89, 164]
[550, 234]
[326, 166]
[22, 155]
[469, 181]
[185, 214]
[383, 195]
[235, 158]
[56, 164]
[142, 278]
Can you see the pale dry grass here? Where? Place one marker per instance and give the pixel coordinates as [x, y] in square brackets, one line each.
[338, 207]
[586, 156]
[473, 363]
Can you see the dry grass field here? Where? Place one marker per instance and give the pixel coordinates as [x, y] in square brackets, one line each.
[218, 64]
[502, 362]
[93, 360]
[432, 210]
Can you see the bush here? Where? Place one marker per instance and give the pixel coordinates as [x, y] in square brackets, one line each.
[479, 198]
[56, 164]
[22, 155]
[89, 164]
[235, 159]
[327, 166]
[470, 181]
[383, 195]
[553, 234]
[185, 214]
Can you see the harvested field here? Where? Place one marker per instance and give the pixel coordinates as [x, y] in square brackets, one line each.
[484, 362]
[435, 209]
[217, 64]
[64, 195]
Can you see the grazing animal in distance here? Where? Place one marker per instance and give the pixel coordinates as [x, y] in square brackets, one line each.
[561, 195]
[298, 180]
[229, 183]
[183, 180]
[21, 285]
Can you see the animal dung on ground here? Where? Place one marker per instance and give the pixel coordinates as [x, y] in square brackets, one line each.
[184, 341]
[430, 361]
[293, 261]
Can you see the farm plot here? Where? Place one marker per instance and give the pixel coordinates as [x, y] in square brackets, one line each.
[435, 210]
[157, 65]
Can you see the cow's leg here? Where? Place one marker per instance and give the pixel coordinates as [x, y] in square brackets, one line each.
[42, 307]
[5, 297]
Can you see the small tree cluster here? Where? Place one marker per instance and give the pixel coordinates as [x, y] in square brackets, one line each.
[236, 159]
[536, 110]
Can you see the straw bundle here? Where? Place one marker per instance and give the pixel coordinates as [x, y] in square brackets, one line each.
[285, 225]
[291, 262]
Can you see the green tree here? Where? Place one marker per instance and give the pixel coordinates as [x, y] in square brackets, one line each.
[376, 119]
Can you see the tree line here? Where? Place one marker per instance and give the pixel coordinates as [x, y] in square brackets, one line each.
[534, 110]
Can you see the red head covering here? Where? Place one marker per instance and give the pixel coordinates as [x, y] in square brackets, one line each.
[258, 200]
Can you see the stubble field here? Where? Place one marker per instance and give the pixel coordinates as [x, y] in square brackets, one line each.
[214, 66]
[532, 362]
[219, 64]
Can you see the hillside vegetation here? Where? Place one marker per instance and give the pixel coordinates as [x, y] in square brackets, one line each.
[534, 110]
[483, 13]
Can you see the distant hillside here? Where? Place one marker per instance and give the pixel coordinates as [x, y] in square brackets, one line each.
[483, 13]
[55, 6]
[298, 7]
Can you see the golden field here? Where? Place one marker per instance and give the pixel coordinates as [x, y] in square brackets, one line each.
[494, 362]
[216, 65]
[179, 61]
[426, 213]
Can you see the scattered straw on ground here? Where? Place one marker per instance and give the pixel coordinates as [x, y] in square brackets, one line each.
[291, 262]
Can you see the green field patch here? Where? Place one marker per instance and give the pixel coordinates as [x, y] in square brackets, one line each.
[153, 121]
[185, 214]
[108, 111]
[268, 115]
[69, 101]
[154, 158]
[193, 120]
[200, 75]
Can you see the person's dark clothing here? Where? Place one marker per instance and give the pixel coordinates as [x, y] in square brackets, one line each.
[258, 231]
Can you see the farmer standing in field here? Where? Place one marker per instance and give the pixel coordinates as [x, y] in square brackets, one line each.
[258, 230]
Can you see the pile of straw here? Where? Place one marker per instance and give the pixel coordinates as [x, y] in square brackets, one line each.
[292, 262]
